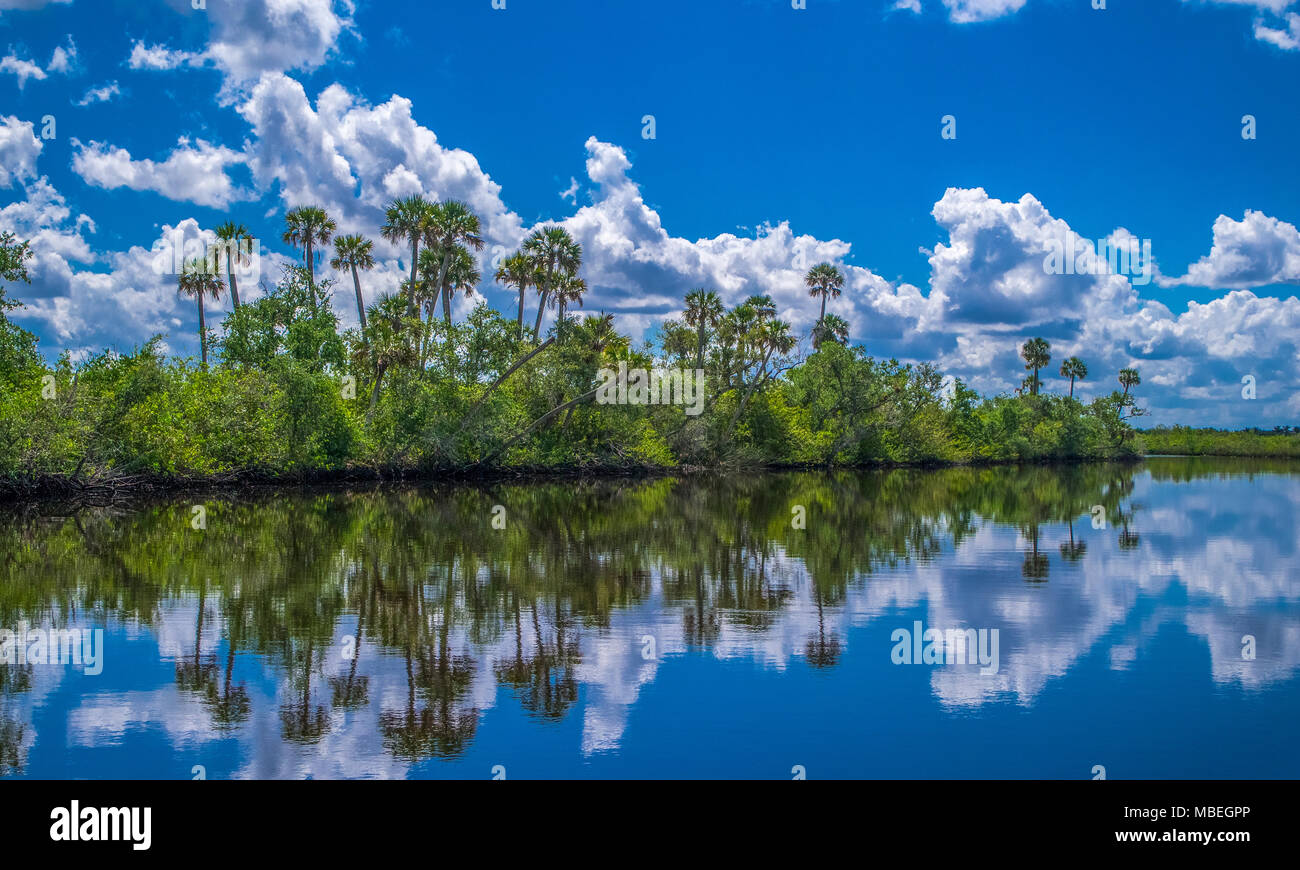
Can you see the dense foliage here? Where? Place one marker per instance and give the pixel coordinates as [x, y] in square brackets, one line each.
[1185, 441]
[280, 390]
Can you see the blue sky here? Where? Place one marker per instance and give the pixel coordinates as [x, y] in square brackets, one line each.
[782, 137]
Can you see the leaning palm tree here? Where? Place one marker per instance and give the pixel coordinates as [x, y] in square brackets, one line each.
[451, 226]
[824, 280]
[1074, 369]
[354, 252]
[306, 227]
[554, 254]
[232, 237]
[1129, 378]
[517, 271]
[703, 311]
[408, 220]
[201, 278]
[1036, 354]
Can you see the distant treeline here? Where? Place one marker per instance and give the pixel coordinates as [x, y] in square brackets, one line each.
[1184, 441]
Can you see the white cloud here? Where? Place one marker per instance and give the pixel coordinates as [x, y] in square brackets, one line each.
[158, 57]
[6, 5]
[191, 173]
[23, 70]
[63, 58]
[966, 11]
[1256, 251]
[907, 6]
[19, 149]
[1286, 38]
[101, 94]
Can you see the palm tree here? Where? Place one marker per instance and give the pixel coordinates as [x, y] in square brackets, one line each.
[824, 280]
[388, 341]
[408, 220]
[1036, 354]
[354, 252]
[1129, 378]
[554, 254]
[452, 225]
[831, 328]
[232, 238]
[1074, 369]
[199, 278]
[772, 337]
[568, 290]
[307, 226]
[703, 310]
[517, 271]
[762, 306]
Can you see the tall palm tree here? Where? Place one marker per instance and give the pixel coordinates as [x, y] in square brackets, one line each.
[703, 311]
[201, 278]
[824, 280]
[408, 220]
[452, 225]
[517, 271]
[554, 254]
[306, 227]
[1074, 369]
[390, 341]
[1129, 378]
[354, 252]
[1037, 355]
[232, 236]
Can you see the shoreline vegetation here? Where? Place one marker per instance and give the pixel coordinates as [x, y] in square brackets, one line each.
[281, 394]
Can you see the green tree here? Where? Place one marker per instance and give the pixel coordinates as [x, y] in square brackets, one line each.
[826, 281]
[306, 227]
[353, 253]
[1037, 355]
[452, 227]
[200, 278]
[703, 311]
[409, 220]
[1129, 378]
[1074, 369]
[517, 271]
[554, 255]
[235, 244]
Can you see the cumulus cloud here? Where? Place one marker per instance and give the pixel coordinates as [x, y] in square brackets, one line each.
[19, 149]
[7, 5]
[255, 37]
[191, 173]
[1256, 251]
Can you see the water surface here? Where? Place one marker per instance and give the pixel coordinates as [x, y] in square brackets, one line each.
[672, 628]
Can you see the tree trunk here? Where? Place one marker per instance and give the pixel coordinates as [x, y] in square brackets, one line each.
[374, 394]
[521, 314]
[234, 286]
[699, 347]
[361, 305]
[541, 306]
[203, 333]
[410, 288]
[446, 293]
[311, 274]
[538, 422]
[501, 380]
